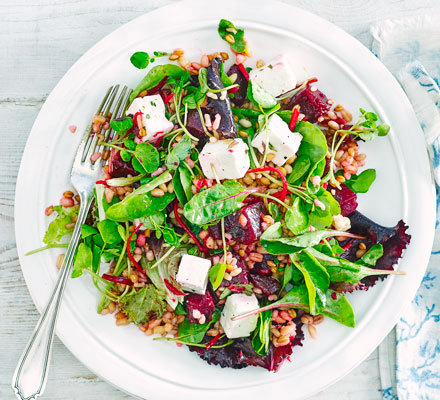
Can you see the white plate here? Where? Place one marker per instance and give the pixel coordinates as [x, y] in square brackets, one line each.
[347, 72]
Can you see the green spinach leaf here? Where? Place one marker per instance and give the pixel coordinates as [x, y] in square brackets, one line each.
[178, 153]
[297, 220]
[225, 28]
[194, 333]
[216, 202]
[146, 159]
[83, 260]
[361, 183]
[216, 274]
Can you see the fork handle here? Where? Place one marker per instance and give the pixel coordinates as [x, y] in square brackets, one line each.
[31, 373]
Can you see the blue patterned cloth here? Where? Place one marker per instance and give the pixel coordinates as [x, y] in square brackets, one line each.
[411, 50]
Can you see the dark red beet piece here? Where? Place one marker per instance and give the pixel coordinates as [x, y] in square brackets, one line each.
[201, 302]
[241, 94]
[394, 240]
[312, 104]
[262, 268]
[243, 234]
[268, 284]
[120, 168]
[347, 199]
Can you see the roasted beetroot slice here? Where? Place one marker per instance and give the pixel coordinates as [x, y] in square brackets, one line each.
[201, 302]
[241, 94]
[312, 104]
[394, 240]
[242, 234]
[266, 283]
[120, 168]
[347, 199]
[194, 126]
[262, 268]
[241, 354]
[227, 126]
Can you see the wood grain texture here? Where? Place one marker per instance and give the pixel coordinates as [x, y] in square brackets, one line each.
[40, 40]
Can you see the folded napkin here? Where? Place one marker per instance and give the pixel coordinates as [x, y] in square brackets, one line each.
[411, 50]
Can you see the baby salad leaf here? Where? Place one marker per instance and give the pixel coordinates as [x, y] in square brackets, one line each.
[178, 153]
[146, 158]
[337, 306]
[143, 304]
[216, 202]
[226, 27]
[373, 254]
[57, 228]
[313, 145]
[83, 260]
[194, 333]
[121, 125]
[182, 183]
[316, 278]
[156, 74]
[261, 96]
[137, 206]
[297, 219]
[273, 241]
[299, 169]
[87, 230]
[361, 183]
[261, 338]
[109, 232]
[216, 274]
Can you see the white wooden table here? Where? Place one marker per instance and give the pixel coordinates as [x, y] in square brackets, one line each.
[39, 41]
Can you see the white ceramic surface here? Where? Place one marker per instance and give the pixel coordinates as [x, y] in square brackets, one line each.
[347, 72]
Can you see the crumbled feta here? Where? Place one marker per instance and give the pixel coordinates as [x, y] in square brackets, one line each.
[281, 141]
[237, 304]
[276, 77]
[341, 223]
[153, 116]
[193, 273]
[229, 158]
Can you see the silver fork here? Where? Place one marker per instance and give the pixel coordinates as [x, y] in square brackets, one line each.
[30, 376]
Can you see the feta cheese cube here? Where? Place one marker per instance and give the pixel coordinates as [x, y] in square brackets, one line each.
[281, 141]
[193, 273]
[229, 158]
[276, 77]
[237, 304]
[153, 116]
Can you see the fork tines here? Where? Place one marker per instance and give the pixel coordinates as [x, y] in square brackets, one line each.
[109, 108]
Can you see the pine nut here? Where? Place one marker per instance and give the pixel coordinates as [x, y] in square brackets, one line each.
[157, 192]
[229, 38]
[242, 220]
[260, 63]
[60, 260]
[224, 55]
[312, 331]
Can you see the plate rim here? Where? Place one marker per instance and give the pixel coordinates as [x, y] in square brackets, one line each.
[157, 13]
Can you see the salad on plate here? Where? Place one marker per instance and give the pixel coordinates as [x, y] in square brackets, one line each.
[226, 218]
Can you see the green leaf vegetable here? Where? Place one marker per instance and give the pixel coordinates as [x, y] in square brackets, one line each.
[140, 203]
[182, 183]
[156, 74]
[337, 306]
[225, 28]
[194, 333]
[83, 260]
[273, 241]
[60, 226]
[216, 274]
[178, 153]
[146, 159]
[361, 183]
[261, 337]
[141, 60]
[121, 125]
[216, 202]
[143, 304]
